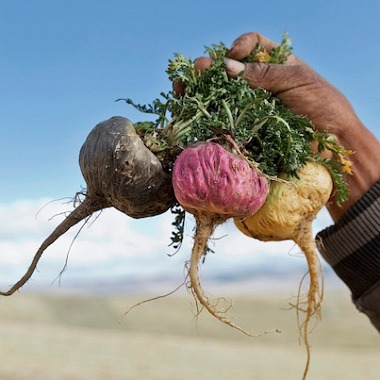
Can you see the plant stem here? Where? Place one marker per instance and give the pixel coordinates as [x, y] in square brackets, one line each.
[229, 115]
[181, 128]
[242, 113]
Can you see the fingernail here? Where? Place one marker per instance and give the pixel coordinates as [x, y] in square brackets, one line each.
[234, 67]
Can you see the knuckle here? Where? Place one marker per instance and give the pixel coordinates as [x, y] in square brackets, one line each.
[202, 63]
[257, 73]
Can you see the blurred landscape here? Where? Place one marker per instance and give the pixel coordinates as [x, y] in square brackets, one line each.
[74, 327]
[87, 336]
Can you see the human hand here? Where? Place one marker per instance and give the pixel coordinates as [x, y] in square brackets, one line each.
[295, 83]
[306, 93]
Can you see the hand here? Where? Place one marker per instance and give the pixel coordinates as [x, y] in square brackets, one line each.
[307, 93]
[295, 83]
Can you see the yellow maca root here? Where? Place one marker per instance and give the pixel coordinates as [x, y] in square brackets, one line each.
[287, 215]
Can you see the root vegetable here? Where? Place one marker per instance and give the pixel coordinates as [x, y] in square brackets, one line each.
[209, 181]
[121, 172]
[266, 134]
[288, 214]
[214, 185]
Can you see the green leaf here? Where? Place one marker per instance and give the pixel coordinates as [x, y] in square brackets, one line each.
[272, 137]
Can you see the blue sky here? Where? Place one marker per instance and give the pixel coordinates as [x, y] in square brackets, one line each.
[64, 63]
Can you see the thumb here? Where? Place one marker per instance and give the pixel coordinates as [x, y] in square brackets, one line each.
[272, 77]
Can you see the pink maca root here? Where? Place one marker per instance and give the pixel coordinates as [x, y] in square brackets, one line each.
[214, 185]
[208, 178]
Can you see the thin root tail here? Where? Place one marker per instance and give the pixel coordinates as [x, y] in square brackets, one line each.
[85, 209]
[205, 228]
[314, 298]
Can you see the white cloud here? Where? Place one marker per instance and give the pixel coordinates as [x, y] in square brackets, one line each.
[116, 245]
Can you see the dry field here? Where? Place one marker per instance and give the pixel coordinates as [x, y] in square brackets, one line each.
[81, 337]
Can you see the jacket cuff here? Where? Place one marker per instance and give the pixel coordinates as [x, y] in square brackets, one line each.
[369, 303]
[352, 246]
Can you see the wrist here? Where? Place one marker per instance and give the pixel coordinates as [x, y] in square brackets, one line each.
[365, 163]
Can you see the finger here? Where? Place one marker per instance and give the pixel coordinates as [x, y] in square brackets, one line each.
[279, 78]
[274, 78]
[244, 45]
[234, 67]
[202, 63]
[179, 87]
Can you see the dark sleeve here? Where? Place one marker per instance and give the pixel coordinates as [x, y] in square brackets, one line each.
[352, 248]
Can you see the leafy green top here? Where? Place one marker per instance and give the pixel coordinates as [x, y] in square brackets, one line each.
[214, 106]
